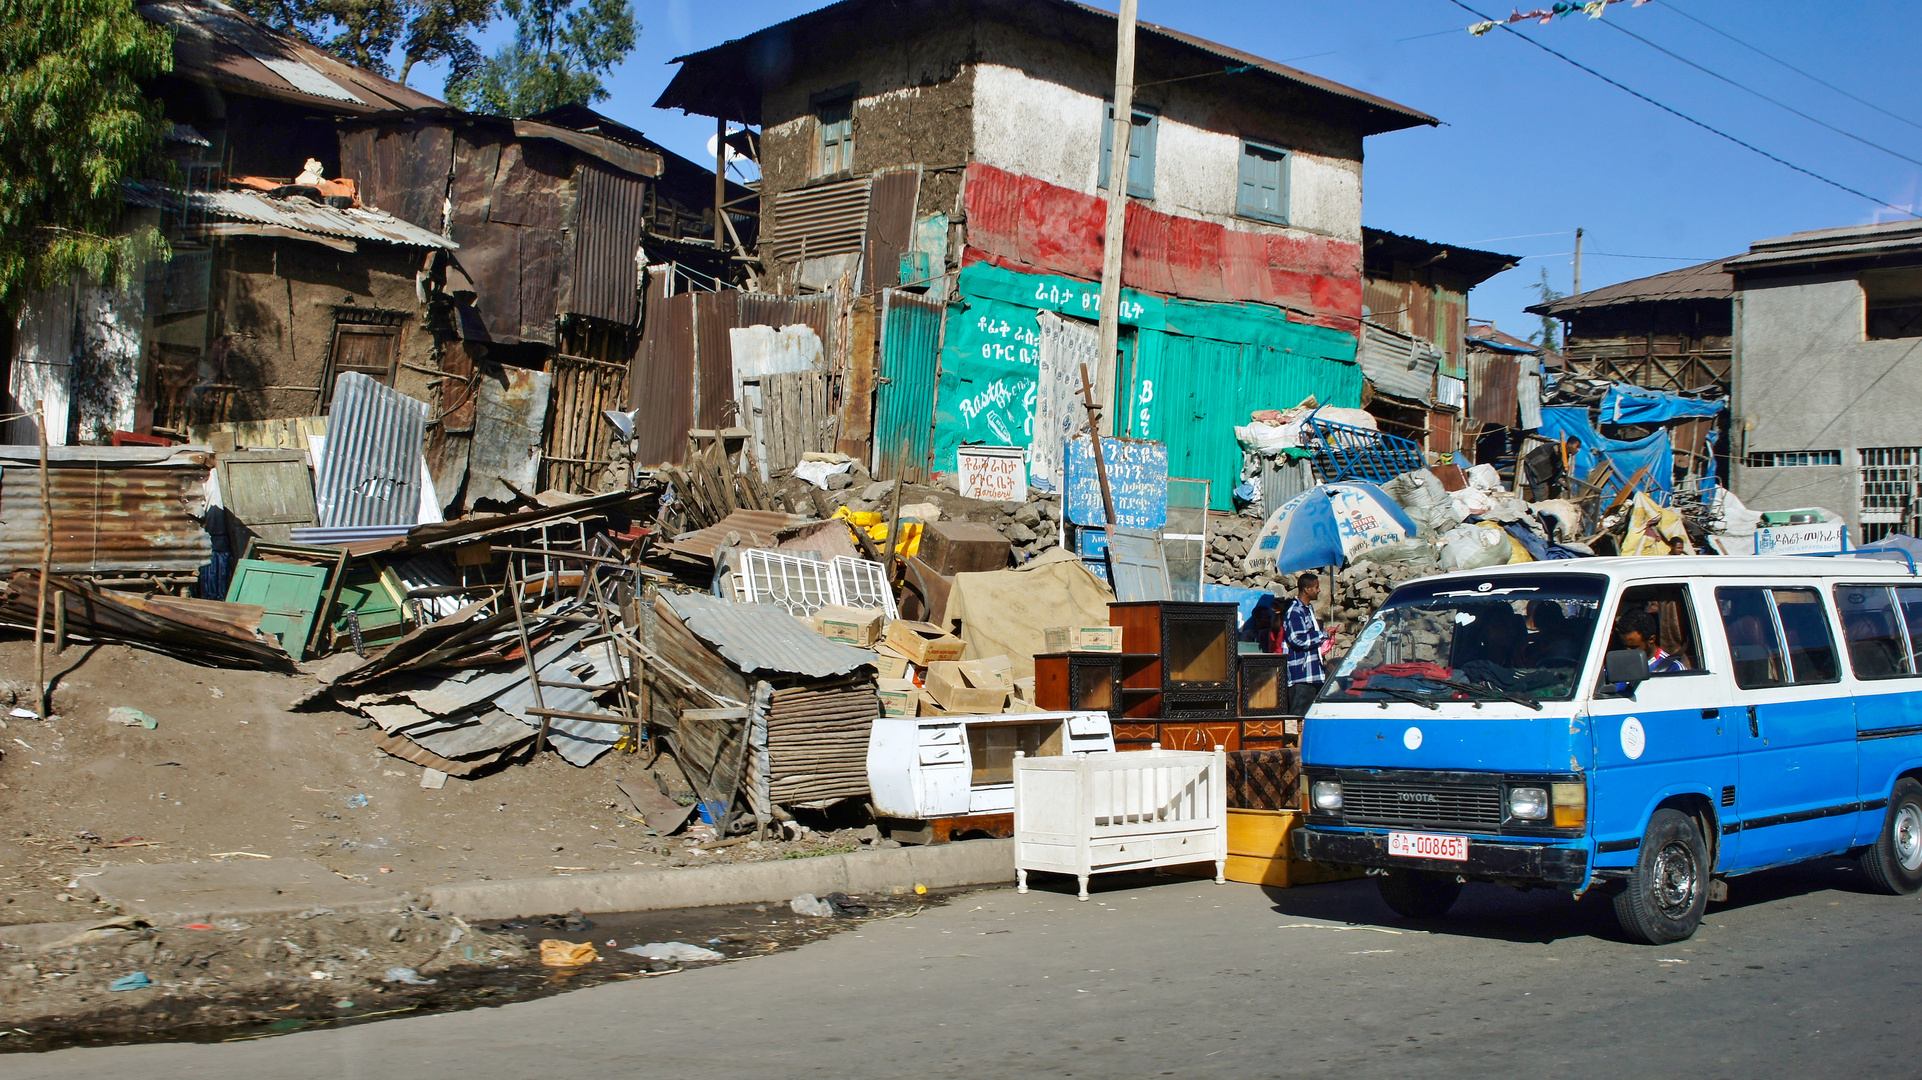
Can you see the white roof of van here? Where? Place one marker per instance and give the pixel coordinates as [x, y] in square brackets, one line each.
[1673, 566]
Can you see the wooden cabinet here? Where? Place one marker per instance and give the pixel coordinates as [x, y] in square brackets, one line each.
[1080, 682]
[1263, 684]
[1183, 660]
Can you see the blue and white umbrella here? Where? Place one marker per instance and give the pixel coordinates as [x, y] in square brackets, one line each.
[1328, 525]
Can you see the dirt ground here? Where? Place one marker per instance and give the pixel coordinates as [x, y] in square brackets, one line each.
[229, 769]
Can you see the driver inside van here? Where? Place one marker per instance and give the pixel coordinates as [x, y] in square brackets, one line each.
[1637, 630]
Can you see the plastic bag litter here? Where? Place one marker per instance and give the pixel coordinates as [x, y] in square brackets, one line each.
[1404, 551]
[1485, 477]
[817, 472]
[566, 954]
[122, 714]
[809, 904]
[673, 950]
[1471, 547]
[1427, 501]
[137, 981]
[408, 976]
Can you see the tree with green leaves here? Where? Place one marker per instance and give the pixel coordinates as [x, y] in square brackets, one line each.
[367, 33]
[560, 51]
[1545, 337]
[75, 124]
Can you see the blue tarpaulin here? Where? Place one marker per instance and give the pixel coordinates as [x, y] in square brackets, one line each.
[1636, 405]
[1593, 448]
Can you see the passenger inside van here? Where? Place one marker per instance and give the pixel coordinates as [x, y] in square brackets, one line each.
[1556, 642]
[1874, 650]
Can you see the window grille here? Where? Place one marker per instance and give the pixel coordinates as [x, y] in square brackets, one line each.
[1890, 478]
[1783, 459]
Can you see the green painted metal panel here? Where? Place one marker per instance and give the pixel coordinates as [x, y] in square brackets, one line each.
[290, 593]
[372, 603]
[905, 391]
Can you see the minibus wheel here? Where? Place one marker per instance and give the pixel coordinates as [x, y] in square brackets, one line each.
[1668, 889]
[1417, 894]
[1894, 862]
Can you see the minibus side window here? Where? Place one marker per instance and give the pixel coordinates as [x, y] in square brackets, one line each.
[1752, 643]
[1873, 630]
[1806, 628]
[1909, 598]
[1658, 621]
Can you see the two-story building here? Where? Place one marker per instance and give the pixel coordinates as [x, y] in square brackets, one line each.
[959, 150]
[1828, 367]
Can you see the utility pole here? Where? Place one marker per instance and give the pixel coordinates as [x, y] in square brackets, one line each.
[721, 183]
[1578, 260]
[1124, 122]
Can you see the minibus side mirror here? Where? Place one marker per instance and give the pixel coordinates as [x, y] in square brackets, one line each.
[1625, 666]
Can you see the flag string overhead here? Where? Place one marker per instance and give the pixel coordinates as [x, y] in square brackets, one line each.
[1592, 8]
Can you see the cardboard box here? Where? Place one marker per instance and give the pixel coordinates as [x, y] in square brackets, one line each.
[993, 673]
[926, 705]
[923, 643]
[889, 666]
[950, 690]
[1062, 639]
[898, 696]
[860, 627]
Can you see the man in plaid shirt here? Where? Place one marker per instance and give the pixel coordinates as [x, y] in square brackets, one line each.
[1302, 639]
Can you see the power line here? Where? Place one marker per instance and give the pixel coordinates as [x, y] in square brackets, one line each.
[1776, 59]
[1617, 255]
[1751, 90]
[1565, 58]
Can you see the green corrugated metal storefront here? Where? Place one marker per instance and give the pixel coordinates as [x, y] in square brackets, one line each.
[1190, 374]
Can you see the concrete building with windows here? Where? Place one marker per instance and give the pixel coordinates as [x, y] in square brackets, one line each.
[957, 151]
[1828, 366]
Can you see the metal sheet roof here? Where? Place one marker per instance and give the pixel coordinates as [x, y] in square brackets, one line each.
[293, 212]
[141, 517]
[1703, 281]
[1399, 365]
[1830, 245]
[756, 528]
[761, 637]
[729, 79]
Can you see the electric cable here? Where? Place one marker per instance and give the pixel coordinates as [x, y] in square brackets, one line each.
[1677, 113]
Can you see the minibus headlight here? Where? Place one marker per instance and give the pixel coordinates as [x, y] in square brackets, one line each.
[1571, 805]
[1327, 795]
[1528, 803]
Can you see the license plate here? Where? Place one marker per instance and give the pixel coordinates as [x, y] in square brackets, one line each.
[1416, 845]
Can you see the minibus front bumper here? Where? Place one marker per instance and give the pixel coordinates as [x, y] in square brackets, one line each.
[1492, 860]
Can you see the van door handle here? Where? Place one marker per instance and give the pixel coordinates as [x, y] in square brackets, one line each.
[1754, 728]
[1711, 714]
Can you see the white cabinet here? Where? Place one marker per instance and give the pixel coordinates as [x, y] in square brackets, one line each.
[947, 766]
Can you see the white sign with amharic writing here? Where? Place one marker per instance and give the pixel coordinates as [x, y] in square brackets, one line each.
[1802, 539]
[993, 473]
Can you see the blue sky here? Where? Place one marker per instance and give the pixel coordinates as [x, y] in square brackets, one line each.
[1530, 147]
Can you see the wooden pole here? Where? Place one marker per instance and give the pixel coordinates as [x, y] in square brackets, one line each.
[721, 223]
[1124, 114]
[46, 568]
[894, 512]
[1094, 440]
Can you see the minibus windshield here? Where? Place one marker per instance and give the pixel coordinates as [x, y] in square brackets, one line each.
[1500, 638]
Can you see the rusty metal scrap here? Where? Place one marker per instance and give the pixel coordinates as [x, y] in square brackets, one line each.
[202, 631]
[138, 514]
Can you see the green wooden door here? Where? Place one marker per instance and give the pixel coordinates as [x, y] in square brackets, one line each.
[291, 594]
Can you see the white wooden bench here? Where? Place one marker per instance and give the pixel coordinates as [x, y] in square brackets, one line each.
[1109, 812]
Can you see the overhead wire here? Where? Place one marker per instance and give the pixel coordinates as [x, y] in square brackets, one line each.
[1818, 80]
[1619, 28]
[1680, 115]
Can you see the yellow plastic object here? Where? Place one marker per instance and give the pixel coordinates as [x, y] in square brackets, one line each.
[1651, 527]
[875, 526]
[566, 954]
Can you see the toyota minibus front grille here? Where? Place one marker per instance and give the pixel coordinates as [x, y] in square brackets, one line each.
[1401, 802]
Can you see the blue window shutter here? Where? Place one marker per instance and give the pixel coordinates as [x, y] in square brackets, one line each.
[1141, 153]
[1264, 183]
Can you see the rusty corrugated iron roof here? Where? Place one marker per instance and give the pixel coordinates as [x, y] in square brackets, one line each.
[756, 528]
[1829, 245]
[115, 509]
[294, 212]
[1703, 281]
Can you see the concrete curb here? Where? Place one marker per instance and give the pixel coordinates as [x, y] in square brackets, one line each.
[940, 866]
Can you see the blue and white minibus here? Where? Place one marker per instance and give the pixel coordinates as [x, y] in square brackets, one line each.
[1647, 726]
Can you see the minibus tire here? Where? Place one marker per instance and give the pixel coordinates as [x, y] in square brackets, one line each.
[1893, 863]
[1417, 894]
[1668, 889]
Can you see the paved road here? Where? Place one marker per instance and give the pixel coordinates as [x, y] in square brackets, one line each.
[1800, 976]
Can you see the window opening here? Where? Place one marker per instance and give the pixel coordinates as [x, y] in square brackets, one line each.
[1658, 621]
[836, 116]
[1786, 459]
[1264, 183]
[1873, 629]
[1892, 304]
[1889, 484]
[1141, 152]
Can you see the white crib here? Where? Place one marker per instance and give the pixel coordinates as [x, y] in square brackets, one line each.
[1108, 812]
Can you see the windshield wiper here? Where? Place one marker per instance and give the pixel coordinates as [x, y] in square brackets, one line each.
[1405, 695]
[1490, 689]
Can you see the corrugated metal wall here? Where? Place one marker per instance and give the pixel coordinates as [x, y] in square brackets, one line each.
[370, 472]
[105, 519]
[715, 313]
[609, 219]
[910, 358]
[1397, 364]
[817, 221]
[890, 225]
[661, 388]
[1492, 392]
